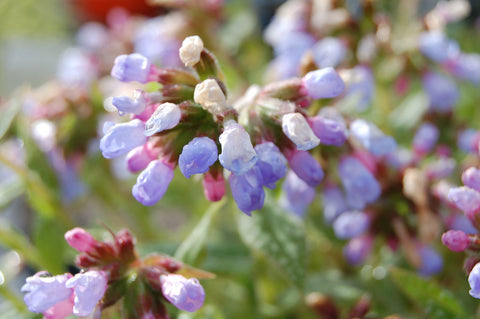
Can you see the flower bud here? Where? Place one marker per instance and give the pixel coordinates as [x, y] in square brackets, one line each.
[80, 239]
[238, 155]
[296, 127]
[211, 97]
[323, 84]
[132, 67]
[185, 294]
[306, 167]
[152, 183]
[437, 47]
[329, 127]
[121, 138]
[89, 288]
[197, 156]
[213, 186]
[455, 240]
[165, 117]
[191, 49]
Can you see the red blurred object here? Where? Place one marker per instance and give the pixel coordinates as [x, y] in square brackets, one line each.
[97, 10]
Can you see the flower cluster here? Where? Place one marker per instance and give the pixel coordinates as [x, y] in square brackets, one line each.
[189, 122]
[111, 271]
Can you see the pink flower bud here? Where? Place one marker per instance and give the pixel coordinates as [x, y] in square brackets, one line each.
[455, 240]
[80, 239]
[185, 294]
[213, 187]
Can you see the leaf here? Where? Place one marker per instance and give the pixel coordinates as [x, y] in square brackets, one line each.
[279, 236]
[190, 249]
[436, 301]
[7, 114]
[50, 242]
[410, 111]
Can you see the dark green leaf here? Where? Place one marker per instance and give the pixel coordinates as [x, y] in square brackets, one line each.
[278, 235]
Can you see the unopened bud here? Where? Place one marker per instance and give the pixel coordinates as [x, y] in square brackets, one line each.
[296, 127]
[80, 239]
[211, 97]
[455, 240]
[191, 49]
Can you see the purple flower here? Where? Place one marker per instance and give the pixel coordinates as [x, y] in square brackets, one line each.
[461, 222]
[121, 138]
[466, 199]
[197, 156]
[238, 155]
[89, 288]
[132, 67]
[474, 281]
[135, 104]
[333, 203]
[425, 138]
[431, 261]
[437, 47]
[165, 117]
[360, 185]
[441, 168]
[306, 167]
[138, 158]
[329, 126]
[350, 224]
[297, 194]
[271, 163]
[455, 240]
[328, 52]
[152, 183]
[44, 292]
[372, 138]
[185, 294]
[471, 178]
[296, 127]
[442, 92]
[358, 249]
[323, 84]
[247, 190]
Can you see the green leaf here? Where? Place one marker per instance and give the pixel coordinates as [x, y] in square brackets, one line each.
[436, 301]
[49, 240]
[190, 249]
[7, 114]
[410, 111]
[279, 236]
